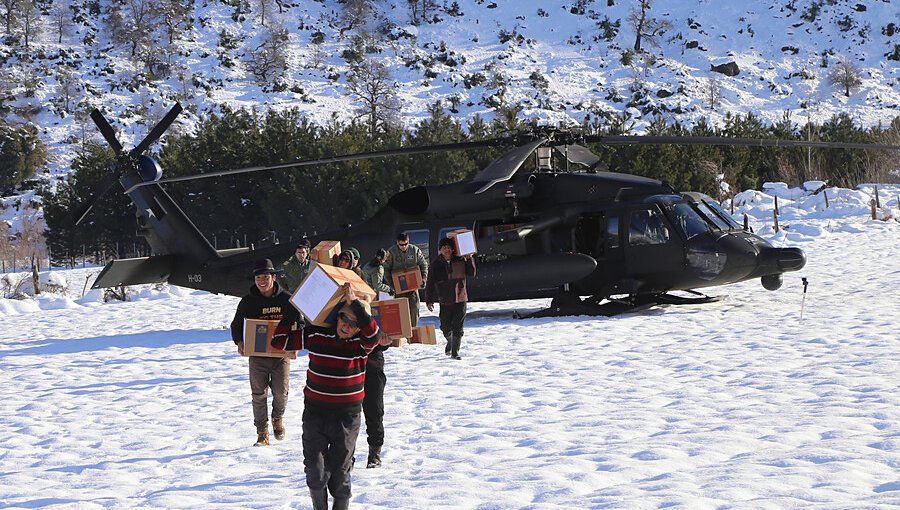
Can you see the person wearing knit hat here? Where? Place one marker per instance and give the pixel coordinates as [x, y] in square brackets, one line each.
[446, 284]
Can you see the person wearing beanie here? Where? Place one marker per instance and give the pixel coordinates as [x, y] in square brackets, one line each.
[346, 261]
[266, 300]
[446, 284]
[297, 267]
[333, 396]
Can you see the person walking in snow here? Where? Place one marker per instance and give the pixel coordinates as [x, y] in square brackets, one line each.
[266, 301]
[446, 284]
[333, 396]
[405, 255]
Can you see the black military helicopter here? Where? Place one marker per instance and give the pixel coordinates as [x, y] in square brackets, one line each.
[620, 240]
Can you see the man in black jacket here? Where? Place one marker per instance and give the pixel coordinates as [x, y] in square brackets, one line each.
[266, 301]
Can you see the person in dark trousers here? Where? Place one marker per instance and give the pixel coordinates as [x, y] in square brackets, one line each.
[405, 255]
[267, 301]
[446, 284]
[373, 404]
[333, 396]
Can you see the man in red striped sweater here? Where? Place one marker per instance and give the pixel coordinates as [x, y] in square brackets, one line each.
[333, 396]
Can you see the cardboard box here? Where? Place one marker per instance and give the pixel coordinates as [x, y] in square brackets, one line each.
[406, 280]
[463, 242]
[319, 293]
[325, 251]
[398, 342]
[258, 340]
[392, 316]
[424, 334]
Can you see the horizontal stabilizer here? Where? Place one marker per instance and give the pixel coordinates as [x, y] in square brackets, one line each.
[135, 271]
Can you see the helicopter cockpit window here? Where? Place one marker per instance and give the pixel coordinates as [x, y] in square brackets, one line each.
[647, 227]
[420, 239]
[688, 220]
[712, 216]
[612, 232]
[717, 209]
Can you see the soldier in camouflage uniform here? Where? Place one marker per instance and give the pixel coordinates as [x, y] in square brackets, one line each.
[404, 255]
[296, 267]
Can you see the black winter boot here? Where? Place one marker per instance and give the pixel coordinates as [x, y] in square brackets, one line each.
[340, 504]
[374, 457]
[319, 499]
[449, 344]
[455, 340]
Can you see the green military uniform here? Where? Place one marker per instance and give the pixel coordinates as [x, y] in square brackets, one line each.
[294, 273]
[373, 275]
[397, 260]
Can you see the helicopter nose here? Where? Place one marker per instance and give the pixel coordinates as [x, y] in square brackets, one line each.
[791, 259]
[780, 260]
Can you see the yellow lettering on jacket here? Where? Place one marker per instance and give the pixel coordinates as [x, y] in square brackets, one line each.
[269, 310]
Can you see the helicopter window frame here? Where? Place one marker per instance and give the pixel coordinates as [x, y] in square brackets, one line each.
[649, 231]
[724, 216]
[415, 238]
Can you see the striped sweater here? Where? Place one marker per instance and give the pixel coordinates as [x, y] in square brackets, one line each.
[336, 376]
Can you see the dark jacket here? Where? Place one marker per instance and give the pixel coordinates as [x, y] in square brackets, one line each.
[256, 306]
[441, 287]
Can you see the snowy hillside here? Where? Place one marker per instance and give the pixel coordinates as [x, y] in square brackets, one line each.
[558, 61]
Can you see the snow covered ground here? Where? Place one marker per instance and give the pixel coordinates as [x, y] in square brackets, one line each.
[741, 403]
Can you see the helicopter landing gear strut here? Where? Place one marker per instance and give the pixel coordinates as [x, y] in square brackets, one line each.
[568, 303]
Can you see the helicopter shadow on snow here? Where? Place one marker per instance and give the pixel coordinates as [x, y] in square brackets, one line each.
[151, 339]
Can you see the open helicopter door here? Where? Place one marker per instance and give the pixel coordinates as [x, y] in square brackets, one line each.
[650, 243]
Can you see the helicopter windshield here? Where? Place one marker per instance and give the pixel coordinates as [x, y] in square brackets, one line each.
[718, 211]
[688, 220]
[711, 215]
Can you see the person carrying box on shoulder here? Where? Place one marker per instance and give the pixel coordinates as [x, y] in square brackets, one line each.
[446, 284]
[333, 396]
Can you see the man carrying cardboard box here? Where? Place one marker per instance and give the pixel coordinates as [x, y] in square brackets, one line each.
[401, 256]
[446, 284]
[267, 301]
[335, 382]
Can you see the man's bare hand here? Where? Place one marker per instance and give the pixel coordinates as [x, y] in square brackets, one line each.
[240, 347]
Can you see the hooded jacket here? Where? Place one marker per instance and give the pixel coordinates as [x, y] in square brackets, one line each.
[256, 306]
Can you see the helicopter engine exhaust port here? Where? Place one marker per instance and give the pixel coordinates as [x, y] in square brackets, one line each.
[771, 281]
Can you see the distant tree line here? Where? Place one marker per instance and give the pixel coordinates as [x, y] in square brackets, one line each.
[259, 208]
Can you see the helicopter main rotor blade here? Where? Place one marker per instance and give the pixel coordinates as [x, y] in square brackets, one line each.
[85, 209]
[719, 140]
[504, 167]
[107, 131]
[157, 130]
[578, 155]
[334, 159]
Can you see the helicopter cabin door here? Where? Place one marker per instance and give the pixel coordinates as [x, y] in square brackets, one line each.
[651, 244]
